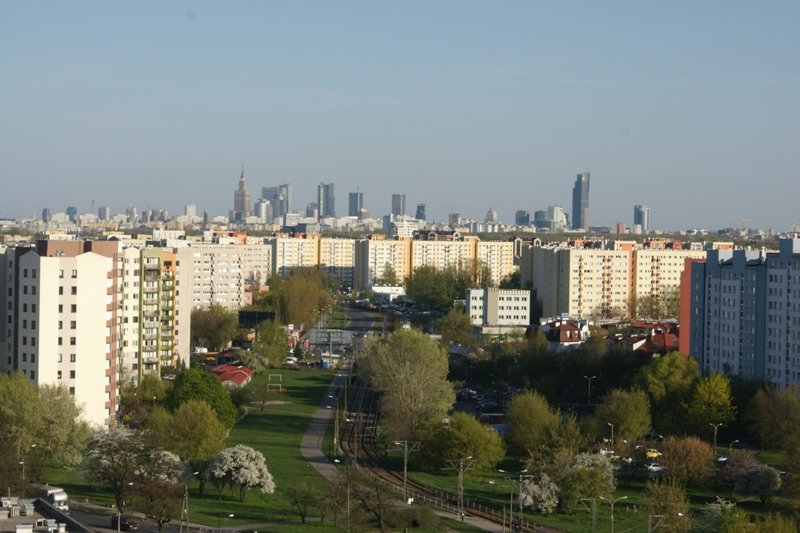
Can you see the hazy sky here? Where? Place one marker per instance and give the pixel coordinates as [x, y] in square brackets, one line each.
[691, 108]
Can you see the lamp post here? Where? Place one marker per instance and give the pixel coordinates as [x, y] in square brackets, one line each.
[612, 434]
[612, 503]
[461, 468]
[730, 448]
[23, 469]
[219, 521]
[589, 390]
[716, 427]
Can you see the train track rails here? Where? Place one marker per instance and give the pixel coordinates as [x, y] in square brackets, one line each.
[360, 443]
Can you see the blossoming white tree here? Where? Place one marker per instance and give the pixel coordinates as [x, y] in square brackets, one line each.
[242, 467]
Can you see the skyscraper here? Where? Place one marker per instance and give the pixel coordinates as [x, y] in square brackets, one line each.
[104, 212]
[522, 217]
[580, 202]
[641, 216]
[421, 212]
[356, 204]
[325, 200]
[398, 204]
[241, 200]
[279, 197]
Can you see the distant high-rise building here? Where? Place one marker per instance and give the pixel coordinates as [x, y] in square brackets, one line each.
[72, 213]
[356, 204]
[279, 197]
[421, 212]
[454, 219]
[47, 216]
[641, 216]
[190, 210]
[398, 204]
[326, 200]
[104, 212]
[580, 202]
[522, 217]
[264, 211]
[312, 210]
[241, 200]
[491, 216]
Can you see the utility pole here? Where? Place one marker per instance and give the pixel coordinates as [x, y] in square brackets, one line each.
[461, 468]
[407, 447]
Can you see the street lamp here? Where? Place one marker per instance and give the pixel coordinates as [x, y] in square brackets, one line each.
[589, 391]
[612, 434]
[612, 503]
[23, 469]
[716, 427]
[219, 521]
[730, 448]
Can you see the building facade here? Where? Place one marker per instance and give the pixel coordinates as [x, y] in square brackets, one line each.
[325, 200]
[398, 204]
[499, 307]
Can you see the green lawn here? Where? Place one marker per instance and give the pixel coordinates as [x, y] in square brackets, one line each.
[276, 432]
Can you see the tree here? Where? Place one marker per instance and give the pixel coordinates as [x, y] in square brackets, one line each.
[196, 433]
[113, 458]
[668, 381]
[300, 296]
[540, 493]
[159, 501]
[270, 347]
[455, 328]
[739, 462]
[241, 467]
[531, 422]
[409, 370]
[195, 384]
[687, 460]
[463, 437]
[774, 416]
[667, 499]
[588, 476]
[59, 433]
[711, 403]
[20, 407]
[762, 481]
[214, 327]
[628, 411]
[303, 498]
[389, 276]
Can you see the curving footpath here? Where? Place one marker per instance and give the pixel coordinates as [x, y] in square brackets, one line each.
[311, 446]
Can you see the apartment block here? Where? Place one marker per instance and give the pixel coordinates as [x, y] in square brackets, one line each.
[294, 251]
[338, 258]
[375, 254]
[61, 320]
[745, 313]
[499, 307]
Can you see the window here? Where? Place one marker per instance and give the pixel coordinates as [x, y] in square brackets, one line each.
[59, 374]
[60, 273]
[24, 289]
[73, 290]
[33, 290]
[60, 308]
[72, 341]
[73, 308]
[60, 357]
[60, 324]
[74, 273]
[72, 358]
[73, 324]
[24, 308]
[33, 374]
[72, 390]
[60, 341]
[71, 374]
[33, 308]
[33, 358]
[61, 291]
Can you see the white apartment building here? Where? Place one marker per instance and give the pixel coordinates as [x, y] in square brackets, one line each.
[61, 321]
[442, 254]
[600, 279]
[499, 307]
[373, 255]
[217, 276]
[338, 258]
[498, 256]
[290, 252]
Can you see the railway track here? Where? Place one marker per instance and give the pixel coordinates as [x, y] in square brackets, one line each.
[360, 443]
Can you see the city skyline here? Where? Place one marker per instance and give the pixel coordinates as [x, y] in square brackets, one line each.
[688, 109]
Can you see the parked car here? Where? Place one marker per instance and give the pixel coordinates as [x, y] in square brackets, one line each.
[126, 523]
[652, 453]
[654, 468]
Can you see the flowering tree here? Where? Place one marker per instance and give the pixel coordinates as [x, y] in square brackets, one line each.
[242, 467]
[540, 494]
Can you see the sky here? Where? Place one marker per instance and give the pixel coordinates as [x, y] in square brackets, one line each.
[690, 108]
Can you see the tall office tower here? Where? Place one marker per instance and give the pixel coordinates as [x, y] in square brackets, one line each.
[356, 204]
[641, 216]
[104, 212]
[47, 216]
[398, 204]
[491, 216]
[280, 197]
[580, 202]
[325, 200]
[190, 210]
[241, 200]
[522, 218]
[454, 219]
[421, 212]
[72, 213]
[312, 210]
